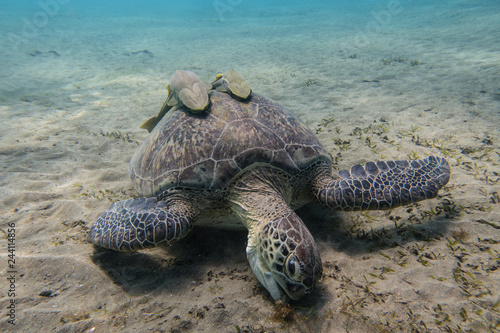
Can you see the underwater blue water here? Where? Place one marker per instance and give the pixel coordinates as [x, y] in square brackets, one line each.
[200, 27]
[23, 20]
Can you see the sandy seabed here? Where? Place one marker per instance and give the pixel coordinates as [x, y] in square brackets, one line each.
[426, 82]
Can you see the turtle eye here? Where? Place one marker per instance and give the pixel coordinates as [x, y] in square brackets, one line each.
[293, 270]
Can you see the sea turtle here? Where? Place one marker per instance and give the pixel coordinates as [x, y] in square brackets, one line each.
[184, 89]
[249, 164]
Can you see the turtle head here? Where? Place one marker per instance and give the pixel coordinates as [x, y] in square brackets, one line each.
[285, 258]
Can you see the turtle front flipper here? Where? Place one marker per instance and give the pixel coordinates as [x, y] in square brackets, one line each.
[135, 224]
[383, 185]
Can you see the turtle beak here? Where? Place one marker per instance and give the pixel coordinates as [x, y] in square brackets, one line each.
[264, 275]
[273, 287]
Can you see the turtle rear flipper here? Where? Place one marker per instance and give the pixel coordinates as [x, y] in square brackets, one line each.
[383, 185]
[135, 224]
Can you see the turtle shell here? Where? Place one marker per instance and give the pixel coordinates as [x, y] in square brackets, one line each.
[206, 151]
